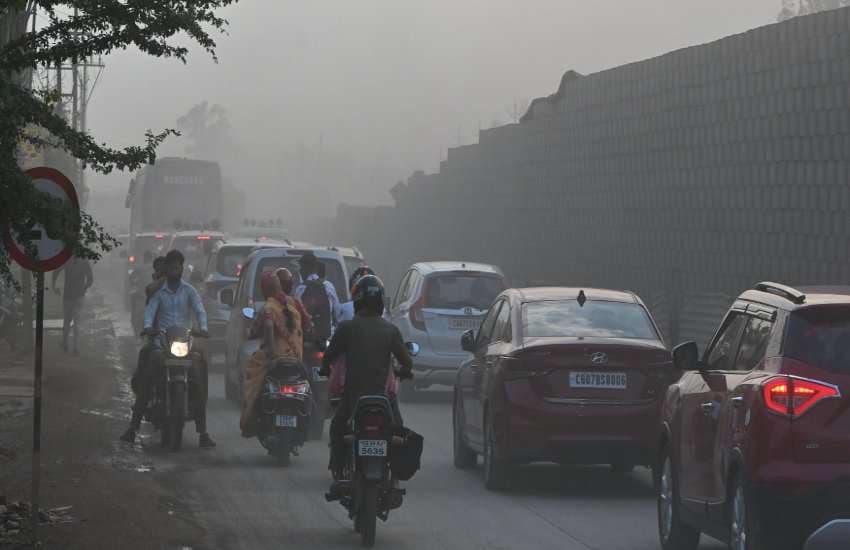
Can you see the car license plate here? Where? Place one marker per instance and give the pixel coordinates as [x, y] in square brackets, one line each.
[464, 323]
[599, 380]
[372, 447]
[285, 421]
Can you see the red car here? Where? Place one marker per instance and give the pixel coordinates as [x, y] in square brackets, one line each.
[563, 375]
[755, 441]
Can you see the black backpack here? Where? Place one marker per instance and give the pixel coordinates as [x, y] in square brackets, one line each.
[318, 305]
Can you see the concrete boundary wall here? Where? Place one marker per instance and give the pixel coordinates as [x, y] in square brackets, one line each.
[715, 166]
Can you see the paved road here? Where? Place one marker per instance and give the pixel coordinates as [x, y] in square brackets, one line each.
[246, 501]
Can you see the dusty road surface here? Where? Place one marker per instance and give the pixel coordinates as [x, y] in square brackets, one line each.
[236, 497]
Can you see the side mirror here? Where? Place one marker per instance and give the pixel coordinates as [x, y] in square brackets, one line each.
[686, 357]
[248, 313]
[413, 348]
[467, 341]
[226, 297]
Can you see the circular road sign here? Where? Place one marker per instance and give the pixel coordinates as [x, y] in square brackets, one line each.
[52, 252]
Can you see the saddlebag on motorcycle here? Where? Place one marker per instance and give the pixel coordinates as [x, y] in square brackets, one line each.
[406, 458]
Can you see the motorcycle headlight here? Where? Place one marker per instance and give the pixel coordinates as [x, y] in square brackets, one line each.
[179, 349]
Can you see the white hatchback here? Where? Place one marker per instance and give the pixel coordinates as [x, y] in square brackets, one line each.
[436, 302]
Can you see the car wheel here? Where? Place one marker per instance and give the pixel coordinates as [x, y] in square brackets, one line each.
[464, 457]
[674, 534]
[496, 470]
[745, 532]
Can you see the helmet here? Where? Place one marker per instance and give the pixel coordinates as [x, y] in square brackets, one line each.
[361, 271]
[368, 295]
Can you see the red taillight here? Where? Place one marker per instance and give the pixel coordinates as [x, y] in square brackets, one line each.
[131, 259]
[792, 396]
[159, 236]
[293, 389]
[417, 318]
[203, 237]
[373, 423]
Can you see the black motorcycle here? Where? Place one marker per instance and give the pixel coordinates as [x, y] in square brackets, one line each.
[284, 409]
[379, 454]
[176, 387]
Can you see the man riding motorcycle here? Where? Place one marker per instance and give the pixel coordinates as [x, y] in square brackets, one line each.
[172, 305]
[368, 343]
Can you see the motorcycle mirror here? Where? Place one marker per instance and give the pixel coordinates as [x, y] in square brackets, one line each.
[248, 312]
[413, 348]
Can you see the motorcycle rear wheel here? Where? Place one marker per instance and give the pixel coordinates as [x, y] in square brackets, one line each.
[368, 514]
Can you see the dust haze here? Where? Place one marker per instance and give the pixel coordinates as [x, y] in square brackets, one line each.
[317, 103]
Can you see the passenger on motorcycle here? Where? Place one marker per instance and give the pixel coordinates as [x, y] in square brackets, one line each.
[368, 343]
[347, 309]
[287, 282]
[279, 326]
[173, 304]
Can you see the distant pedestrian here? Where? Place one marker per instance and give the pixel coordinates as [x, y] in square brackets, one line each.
[78, 278]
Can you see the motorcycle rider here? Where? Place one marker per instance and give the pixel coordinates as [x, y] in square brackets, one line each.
[368, 343]
[173, 305]
[346, 310]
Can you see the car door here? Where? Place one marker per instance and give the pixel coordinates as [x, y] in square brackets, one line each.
[472, 376]
[742, 378]
[489, 388]
[702, 393]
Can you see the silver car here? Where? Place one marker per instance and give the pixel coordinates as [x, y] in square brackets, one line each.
[435, 304]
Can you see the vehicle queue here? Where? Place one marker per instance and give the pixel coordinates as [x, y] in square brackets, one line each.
[748, 442]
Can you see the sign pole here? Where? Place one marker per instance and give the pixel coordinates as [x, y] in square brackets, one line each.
[36, 416]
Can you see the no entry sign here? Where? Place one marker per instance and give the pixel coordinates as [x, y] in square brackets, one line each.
[51, 251]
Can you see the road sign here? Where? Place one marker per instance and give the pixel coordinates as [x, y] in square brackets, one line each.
[52, 252]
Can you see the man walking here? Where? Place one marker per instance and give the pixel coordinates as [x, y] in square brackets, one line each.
[78, 278]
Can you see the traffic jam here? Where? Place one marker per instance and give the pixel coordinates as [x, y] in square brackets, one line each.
[747, 440]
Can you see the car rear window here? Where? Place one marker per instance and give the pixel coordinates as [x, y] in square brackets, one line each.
[457, 291]
[566, 318]
[231, 258]
[333, 273]
[194, 250]
[148, 243]
[820, 337]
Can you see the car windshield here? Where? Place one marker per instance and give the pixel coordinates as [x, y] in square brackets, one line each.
[820, 337]
[231, 258]
[333, 273]
[457, 291]
[195, 250]
[566, 318]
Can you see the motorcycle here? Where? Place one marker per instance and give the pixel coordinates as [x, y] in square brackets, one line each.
[285, 410]
[176, 387]
[367, 485]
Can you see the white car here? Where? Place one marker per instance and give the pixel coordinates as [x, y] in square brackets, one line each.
[435, 304]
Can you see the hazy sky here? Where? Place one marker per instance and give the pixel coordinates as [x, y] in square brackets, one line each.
[393, 83]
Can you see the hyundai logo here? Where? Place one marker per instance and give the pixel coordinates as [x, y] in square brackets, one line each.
[599, 358]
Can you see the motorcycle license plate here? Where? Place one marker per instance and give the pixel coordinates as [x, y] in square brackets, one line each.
[285, 421]
[372, 447]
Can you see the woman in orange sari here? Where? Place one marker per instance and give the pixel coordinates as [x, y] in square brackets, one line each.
[279, 326]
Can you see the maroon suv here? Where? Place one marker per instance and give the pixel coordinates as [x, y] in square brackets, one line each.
[563, 375]
[755, 442]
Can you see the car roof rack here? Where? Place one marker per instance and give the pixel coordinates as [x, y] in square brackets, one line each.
[783, 291]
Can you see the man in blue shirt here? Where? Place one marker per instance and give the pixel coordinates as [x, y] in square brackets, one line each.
[174, 304]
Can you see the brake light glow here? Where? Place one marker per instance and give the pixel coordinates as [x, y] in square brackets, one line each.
[203, 237]
[417, 319]
[373, 423]
[294, 389]
[159, 236]
[793, 396]
[131, 259]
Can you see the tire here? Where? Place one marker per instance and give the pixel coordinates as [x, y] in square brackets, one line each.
[497, 472]
[672, 531]
[743, 520]
[464, 457]
[177, 418]
[368, 514]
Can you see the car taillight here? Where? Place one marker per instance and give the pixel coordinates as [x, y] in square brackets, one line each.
[294, 389]
[131, 259]
[792, 396]
[417, 318]
[203, 237]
